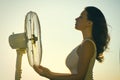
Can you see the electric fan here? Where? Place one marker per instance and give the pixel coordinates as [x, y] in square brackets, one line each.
[29, 41]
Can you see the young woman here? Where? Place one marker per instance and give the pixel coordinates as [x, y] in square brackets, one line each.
[81, 60]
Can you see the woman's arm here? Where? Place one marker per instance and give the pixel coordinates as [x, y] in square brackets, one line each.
[54, 76]
[85, 53]
[63, 76]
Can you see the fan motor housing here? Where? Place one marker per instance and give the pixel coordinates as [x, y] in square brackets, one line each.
[18, 41]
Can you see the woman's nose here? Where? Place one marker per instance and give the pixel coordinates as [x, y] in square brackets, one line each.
[76, 19]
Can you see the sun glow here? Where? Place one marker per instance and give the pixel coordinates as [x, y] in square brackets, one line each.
[57, 19]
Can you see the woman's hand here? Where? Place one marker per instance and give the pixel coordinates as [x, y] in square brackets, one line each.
[42, 71]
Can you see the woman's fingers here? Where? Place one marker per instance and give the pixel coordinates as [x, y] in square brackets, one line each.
[38, 69]
[43, 71]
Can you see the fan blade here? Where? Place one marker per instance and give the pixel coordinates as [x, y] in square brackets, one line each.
[33, 33]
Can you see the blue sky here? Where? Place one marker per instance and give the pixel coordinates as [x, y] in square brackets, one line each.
[57, 19]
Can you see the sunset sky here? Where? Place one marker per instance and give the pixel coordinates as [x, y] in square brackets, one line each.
[59, 37]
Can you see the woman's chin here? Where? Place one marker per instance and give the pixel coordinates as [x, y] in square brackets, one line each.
[77, 28]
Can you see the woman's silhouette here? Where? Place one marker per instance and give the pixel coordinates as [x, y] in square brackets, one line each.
[81, 60]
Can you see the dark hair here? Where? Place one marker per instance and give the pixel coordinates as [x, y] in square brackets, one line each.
[99, 30]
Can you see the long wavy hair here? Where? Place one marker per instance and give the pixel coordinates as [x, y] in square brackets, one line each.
[99, 30]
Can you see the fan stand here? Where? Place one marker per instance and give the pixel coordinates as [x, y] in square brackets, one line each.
[29, 41]
[18, 72]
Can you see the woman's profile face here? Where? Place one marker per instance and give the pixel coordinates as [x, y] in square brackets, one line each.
[81, 21]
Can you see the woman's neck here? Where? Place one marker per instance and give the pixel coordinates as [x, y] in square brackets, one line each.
[87, 34]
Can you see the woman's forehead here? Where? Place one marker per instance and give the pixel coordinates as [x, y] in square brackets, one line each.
[84, 12]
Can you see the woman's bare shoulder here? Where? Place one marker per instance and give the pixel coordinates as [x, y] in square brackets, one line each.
[87, 47]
